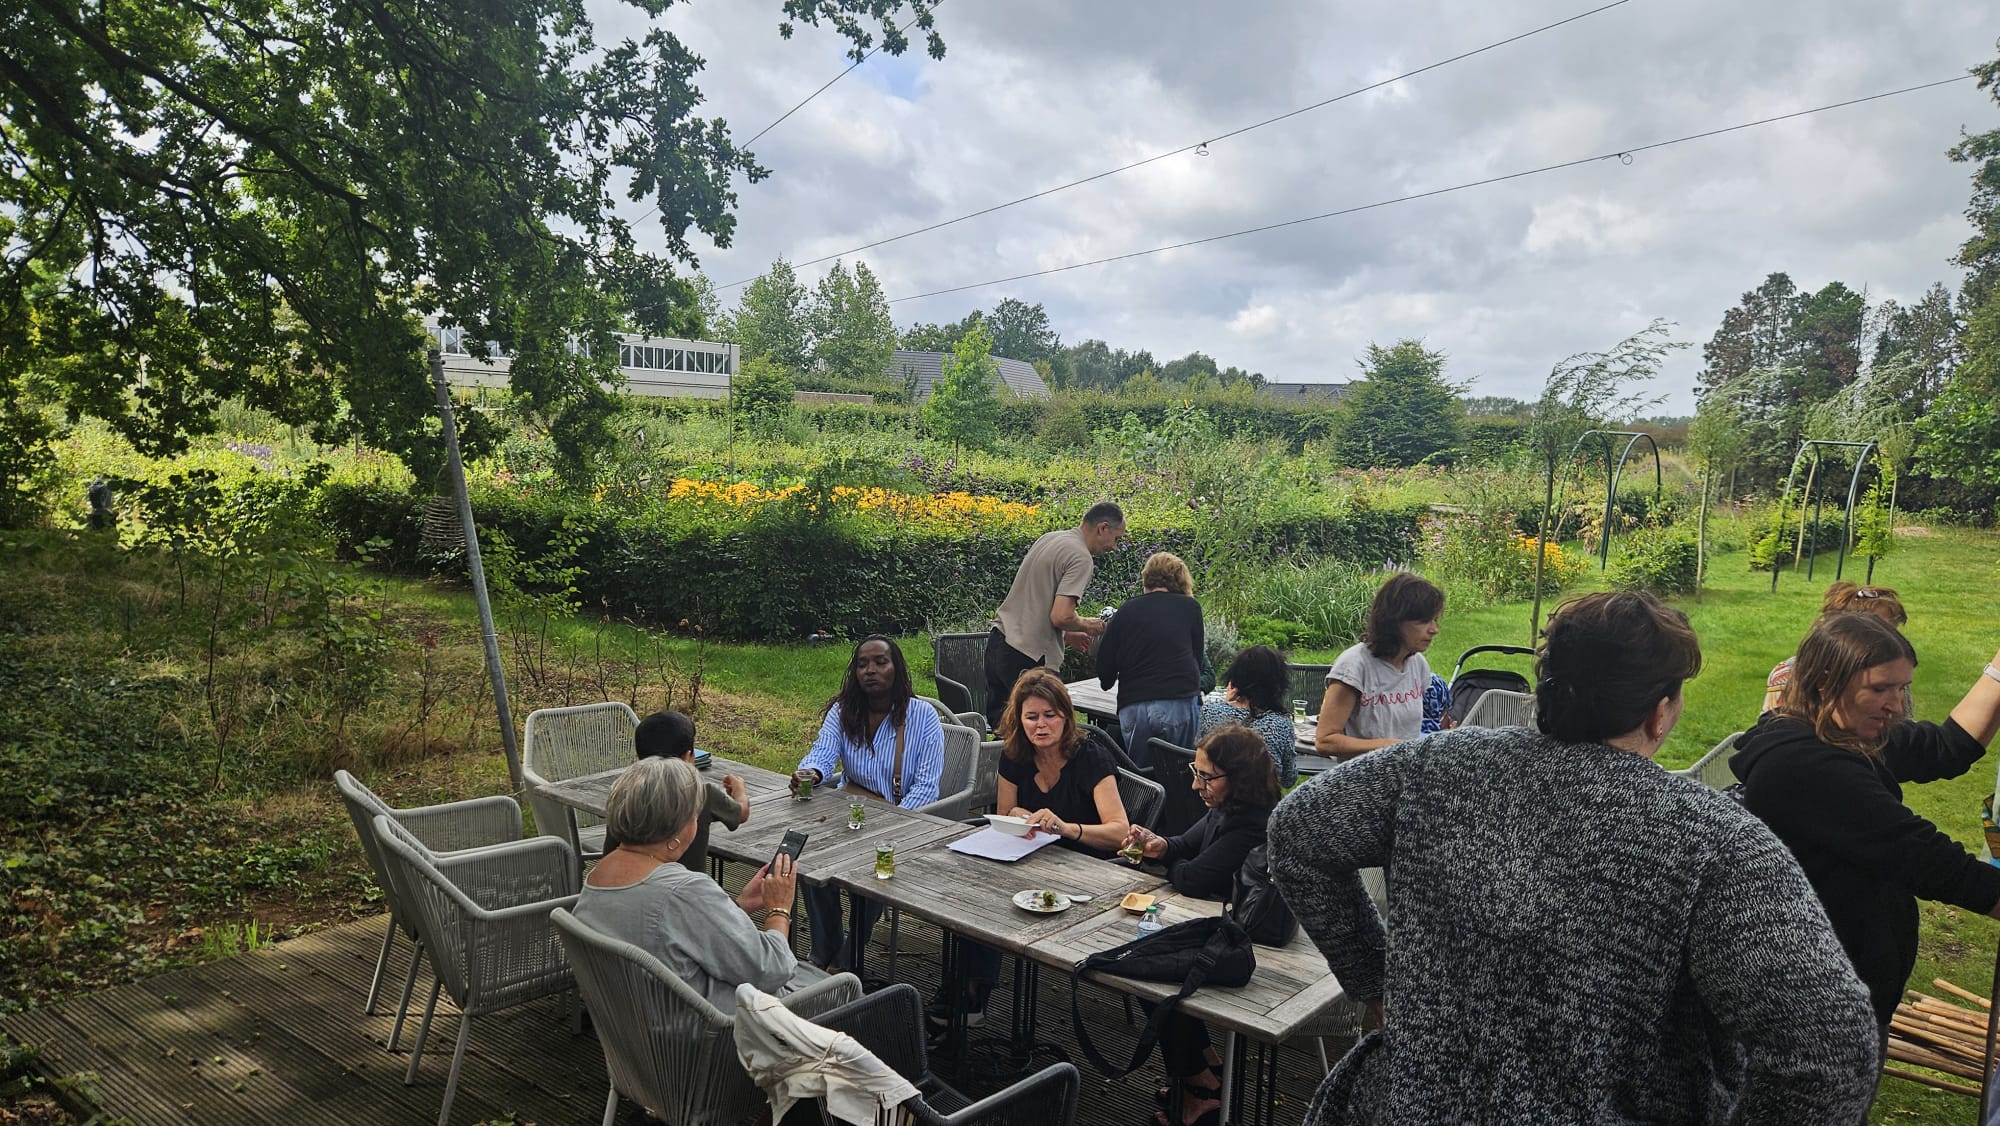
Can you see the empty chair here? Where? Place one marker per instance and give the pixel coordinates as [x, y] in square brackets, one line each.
[484, 916]
[449, 827]
[958, 779]
[1308, 683]
[889, 1023]
[1498, 707]
[1142, 797]
[665, 1047]
[971, 719]
[985, 776]
[565, 743]
[1712, 769]
[959, 666]
[1180, 806]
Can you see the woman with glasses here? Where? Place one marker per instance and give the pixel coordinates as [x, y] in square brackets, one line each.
[1238, 783]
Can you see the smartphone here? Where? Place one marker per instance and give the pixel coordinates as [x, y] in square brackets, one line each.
[793, 844]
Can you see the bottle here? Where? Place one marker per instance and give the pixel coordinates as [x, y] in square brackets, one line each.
[1149, 923]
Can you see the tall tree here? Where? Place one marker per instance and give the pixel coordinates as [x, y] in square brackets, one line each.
[260, 200]
[941, 337]
[1961, 435]
[1917, 346]
[1402, 412]
[1022, 331]
[853, 334]
[1194, 371]
[964, 406]
[773, 319]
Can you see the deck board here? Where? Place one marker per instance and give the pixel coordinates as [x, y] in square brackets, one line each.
[296, 1049]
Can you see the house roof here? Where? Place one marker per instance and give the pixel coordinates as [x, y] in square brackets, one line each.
[1301, 391]
[1019, 376]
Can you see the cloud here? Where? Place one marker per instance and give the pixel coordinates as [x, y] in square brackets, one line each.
[1506, 278]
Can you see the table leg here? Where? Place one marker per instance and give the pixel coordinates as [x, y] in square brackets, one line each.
[1230, 1047]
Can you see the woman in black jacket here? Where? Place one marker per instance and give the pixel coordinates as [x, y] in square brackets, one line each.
[1824, 770]
[1236, 779]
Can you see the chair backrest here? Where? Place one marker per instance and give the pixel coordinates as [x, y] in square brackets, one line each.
[962, 718]
[1142, 797]
[436, 908]
[961, 659]
[665, 1046]
[1498, 707]
[564, 743]
[957, 779]
[1181, 806]
[985, 777]
[1306, 682]
[1712, 769]
[363, 807]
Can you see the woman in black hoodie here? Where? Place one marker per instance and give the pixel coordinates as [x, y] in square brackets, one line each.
[1824, 770]
[1236, 779]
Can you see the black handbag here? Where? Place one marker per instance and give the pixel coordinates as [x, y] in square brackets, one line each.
[1254, 902]
[1211, 951]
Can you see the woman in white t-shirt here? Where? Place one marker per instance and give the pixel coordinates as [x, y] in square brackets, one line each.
[1375, 690]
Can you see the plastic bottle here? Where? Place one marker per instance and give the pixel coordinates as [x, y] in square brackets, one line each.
[1149, 922]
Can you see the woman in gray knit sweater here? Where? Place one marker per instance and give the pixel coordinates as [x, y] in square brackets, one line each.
[1574, 934]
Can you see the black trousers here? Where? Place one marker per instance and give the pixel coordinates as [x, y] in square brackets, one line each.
[1004, 665]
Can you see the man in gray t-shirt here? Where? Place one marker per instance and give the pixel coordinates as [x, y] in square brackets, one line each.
[1039, 615]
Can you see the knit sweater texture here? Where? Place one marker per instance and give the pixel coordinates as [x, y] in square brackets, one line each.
[1575, 936]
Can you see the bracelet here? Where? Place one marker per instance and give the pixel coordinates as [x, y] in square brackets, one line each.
[1992, 673]
[786, 912]
[1079, 830]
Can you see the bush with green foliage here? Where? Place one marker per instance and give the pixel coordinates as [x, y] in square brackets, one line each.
[1659, 558]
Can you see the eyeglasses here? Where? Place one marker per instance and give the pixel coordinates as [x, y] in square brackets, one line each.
[1203, 777]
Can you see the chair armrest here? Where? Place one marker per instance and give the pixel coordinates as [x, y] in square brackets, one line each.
[1033, 1095]
[823, 996]
[888, 1022]
[463, 824]
[950, 806]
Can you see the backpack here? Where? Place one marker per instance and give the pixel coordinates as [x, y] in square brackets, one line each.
[1209, 951]
[1254, 902]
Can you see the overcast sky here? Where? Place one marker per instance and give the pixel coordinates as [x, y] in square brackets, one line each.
[1505, 279]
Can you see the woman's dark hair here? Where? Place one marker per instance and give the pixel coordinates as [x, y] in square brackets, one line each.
[853, 702]
[1039, 684]
[1239, 753]
[1839, 648]
[1405, 597]
[1260, 677]
[1606, 661]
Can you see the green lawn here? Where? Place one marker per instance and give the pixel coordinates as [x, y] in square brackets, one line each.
[1947, 581]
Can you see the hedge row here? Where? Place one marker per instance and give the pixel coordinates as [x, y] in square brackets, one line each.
[785, 574]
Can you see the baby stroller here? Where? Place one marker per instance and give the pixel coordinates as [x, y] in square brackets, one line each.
[1467, 686]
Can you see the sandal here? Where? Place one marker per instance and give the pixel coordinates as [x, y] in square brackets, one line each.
[1210, 1117]
[1163, 1095]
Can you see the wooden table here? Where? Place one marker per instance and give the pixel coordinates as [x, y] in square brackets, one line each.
[1098, 703]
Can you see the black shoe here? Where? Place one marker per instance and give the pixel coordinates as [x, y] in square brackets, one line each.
[938, 1015]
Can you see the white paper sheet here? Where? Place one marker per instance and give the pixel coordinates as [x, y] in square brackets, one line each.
[993, 844]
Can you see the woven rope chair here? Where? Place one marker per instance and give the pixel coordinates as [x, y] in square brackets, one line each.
[450, 827]
[1308, 683]
[1712, 769]
[484, 915]
[1142, 797]
[970, 719]
[1180, 807]
[889, 1023]
[986, 776]
[564, 743]
[1497, 707]
[665, 1047]
[959, 668]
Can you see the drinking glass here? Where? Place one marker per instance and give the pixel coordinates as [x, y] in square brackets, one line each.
[804, 791]
[885, 861]
[856, 814]
[1298, 710]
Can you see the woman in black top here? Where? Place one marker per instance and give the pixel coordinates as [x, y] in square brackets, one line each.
[1152, 651]
[1238, 783]
[1053, 778]
[1824, 770]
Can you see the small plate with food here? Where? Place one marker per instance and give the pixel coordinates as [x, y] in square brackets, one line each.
[1042, 902]
[1136, 902]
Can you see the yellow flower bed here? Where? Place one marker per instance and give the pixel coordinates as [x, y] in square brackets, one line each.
[1562, 566]
[954, 508]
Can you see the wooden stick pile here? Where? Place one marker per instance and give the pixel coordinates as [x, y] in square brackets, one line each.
[1942, 1036]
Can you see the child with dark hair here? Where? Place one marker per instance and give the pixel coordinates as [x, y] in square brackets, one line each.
[671, 735]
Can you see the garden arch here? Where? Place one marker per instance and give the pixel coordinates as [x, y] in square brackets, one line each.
[1613, 470]
[1815, 447]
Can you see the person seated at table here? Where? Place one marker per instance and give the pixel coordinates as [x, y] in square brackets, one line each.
[1578, 935]
[1152, 652]
[671, 735]
[1236, 780]
[1842, 597]
[1253, 696]
[639, 893]
[1059, 782]
[1375, 689]
[884, 750]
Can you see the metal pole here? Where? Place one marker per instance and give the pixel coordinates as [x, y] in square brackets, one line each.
[486, 632]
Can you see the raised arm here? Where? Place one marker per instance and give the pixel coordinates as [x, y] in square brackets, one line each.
[1979, 712]
[1765, 959]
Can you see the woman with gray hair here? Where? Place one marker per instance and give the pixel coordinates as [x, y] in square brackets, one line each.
[641, 894]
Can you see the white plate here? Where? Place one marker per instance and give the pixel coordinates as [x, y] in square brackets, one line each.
[1032, 901]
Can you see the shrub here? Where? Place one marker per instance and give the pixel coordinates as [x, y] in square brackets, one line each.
[1774, 544]
[1320, 605]
[1485, 557]
[1656, 558]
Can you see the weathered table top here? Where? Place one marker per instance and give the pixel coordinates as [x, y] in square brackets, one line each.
[588, 792]
[973, 897]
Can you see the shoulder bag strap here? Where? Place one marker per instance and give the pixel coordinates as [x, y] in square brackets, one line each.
[1155, 1023]
[896, 779]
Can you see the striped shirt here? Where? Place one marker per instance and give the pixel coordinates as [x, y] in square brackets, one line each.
[870, 765]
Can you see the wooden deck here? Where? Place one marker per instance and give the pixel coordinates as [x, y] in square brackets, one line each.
[277, 1036]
